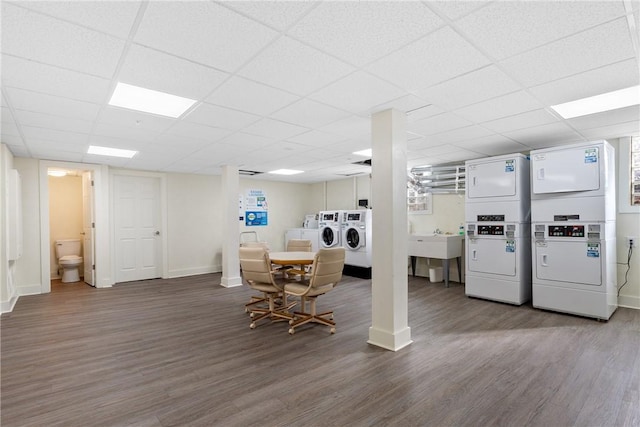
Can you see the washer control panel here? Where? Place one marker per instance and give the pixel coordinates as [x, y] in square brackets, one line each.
[566, 231]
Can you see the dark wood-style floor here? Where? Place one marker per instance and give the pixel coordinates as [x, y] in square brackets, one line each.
[180, 352]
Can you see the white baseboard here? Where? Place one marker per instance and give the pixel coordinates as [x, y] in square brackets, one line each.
[7, 306]
[30, 290]
[183, 272]
[629, 302]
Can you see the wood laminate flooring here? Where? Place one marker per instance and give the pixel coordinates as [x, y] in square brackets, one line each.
[179, 352]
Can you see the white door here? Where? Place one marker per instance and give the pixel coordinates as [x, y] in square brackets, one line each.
[492, 179]
[571, 169]
[88, 228]
[569, 261]
[496, 256]
[137, 223]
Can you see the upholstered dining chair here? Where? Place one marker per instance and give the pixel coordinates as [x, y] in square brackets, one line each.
[255, 299]
[256, 270]
[326, 272]
[296, 245]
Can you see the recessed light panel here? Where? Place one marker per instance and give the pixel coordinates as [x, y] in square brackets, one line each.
[599, 103]
[149, 101]
[113, 152]
[366, 153]
[286, 172]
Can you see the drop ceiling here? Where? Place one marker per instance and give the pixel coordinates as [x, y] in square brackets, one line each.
[292, 85]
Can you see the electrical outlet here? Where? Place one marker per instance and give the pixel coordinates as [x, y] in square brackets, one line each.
[632, 241]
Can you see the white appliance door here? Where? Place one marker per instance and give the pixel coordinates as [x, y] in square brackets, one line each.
[572, 169]
[88, 228]
[137, 222]
[354, 238]
[494, 256]
[327, 237]
[568, 261]
[492, 179]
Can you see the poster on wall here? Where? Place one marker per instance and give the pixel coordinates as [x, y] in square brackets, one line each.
[256, 208]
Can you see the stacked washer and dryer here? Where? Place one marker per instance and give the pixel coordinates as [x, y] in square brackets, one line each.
[356, 237]
[573, 222]
[497, 215]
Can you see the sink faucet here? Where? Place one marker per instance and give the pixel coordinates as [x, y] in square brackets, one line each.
[437, 231]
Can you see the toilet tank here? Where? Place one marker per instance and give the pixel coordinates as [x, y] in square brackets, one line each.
[67, 247]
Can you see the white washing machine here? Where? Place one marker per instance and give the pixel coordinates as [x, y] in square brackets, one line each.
[356, 237]
[329, 223]
[574, 229]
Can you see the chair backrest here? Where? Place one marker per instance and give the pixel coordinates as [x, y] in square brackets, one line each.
[263, 245]
[298, 245]
[256, 265]
[327, 267]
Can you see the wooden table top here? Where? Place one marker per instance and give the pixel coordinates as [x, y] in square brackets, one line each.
[284, 258]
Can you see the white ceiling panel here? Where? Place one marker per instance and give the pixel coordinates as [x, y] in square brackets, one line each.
[405, 103]
[461, 155]
[135, 119]
[460, 134]
[493, 145]
[456, 9]
[601, 80]
[125, 133]
[423, 113]
[290, 65]
[69, 146]
[277, 14]
[621, 115]
[360, 32]
[436, 124]
[439, 56]
[47, 121]
[176, 145]
[358, 92]
[521, 121]
[155, 70]
[203, 32]
[53, 105]
[502, 106]
[247, 142]
[545, 135]
[274, 129]
[619, 130]
[309, 113]
[112, 17]
[31, 132]
[246, 95]
[86, 51]
[58, 155]
[197, 131]
[599, 46]
[18, 150]
[350, 127]
[317, 138]
[476, 86]
[21, 73]
[507, 28]
[213, 115]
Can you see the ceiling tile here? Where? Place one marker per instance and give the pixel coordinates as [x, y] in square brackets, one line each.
[20, 73]
[618, 130]
[620, 115]
[476, 86]
[135, 119]
[247, 142]
[309, 113]
[124, 133]
[155, 70]
[53, 105]
[212, 115]
[249, 96]
[85, 50]
[360, 32]
[502, 106]
[54, 135]
[203, 32]
[18, 150]
[406, 103]
[424, 112]
[317, 138]
[30, 118]
[197, 131]
[350, 127]
[506, 28]
[428, 61]
[456, 9]
[9, 129]
[599, 46]
[290, 65]
[58, 155]
[493, 145]
[274, 129]
[358, 92]
[277, 14]
[460, 155]
[68, 146]
[521, 121]
[545, 135]
[460, 134]
[174, 145]
[436, 124]
[594, 82]
[112, 17]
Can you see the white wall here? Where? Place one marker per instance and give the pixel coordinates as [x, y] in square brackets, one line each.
[65, 213]
[8, 291]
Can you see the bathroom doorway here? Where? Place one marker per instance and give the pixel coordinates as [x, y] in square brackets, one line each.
[71, 219]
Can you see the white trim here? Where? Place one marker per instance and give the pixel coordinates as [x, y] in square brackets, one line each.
[624, 178]
[163, 215]
[628, 301]
[34, 289]
[194, 271]
[7, 306]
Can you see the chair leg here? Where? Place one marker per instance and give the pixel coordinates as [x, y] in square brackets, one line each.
[325, 318]
[272, 312]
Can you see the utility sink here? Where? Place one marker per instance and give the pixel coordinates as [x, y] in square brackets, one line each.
[442, 246]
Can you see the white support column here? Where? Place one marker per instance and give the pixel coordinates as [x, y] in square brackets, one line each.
[389, 328]
[231, 229]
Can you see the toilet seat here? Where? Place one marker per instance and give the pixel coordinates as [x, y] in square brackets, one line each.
[70, 260]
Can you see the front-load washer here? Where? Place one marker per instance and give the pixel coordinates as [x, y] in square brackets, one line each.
[329, 225]
[356, 237]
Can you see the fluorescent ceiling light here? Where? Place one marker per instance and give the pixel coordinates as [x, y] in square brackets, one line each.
[286, 172]
[366, 153]
[149, 101]
[114, 152]
[56, 172]
[599, 103]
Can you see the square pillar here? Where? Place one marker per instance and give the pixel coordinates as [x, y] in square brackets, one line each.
[231, 234]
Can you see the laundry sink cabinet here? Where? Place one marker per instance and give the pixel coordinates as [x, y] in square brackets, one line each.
[439, 246]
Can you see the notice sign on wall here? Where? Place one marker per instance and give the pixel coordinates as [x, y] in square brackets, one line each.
[256, 208]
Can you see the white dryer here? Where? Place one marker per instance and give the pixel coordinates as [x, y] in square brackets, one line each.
[356, 237]
[329, 225]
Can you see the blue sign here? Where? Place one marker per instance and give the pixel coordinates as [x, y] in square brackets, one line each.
[509, 166]
[511, 246]
[591, 155]
[253, 218]
[593, 250]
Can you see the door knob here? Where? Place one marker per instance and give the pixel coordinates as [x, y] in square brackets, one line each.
[157, 233]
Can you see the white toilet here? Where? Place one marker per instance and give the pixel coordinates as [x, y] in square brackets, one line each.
[69, 259]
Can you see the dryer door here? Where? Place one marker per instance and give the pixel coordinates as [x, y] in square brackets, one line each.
[328, 237]
[576, 262]
[490, 255]
[353, 239]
